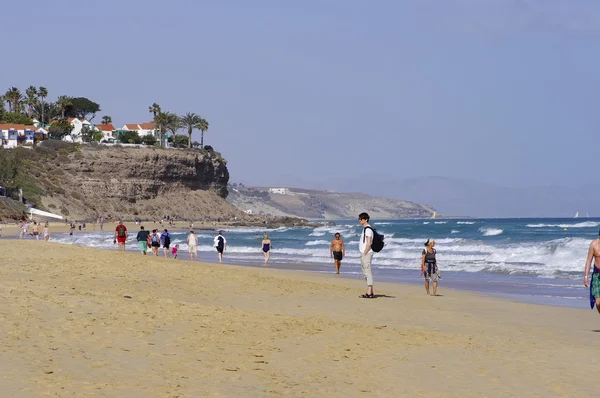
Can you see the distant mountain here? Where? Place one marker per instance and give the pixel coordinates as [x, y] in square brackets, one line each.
[315, 204]
[458, 197]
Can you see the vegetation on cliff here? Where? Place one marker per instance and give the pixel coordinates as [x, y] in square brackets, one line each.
[89, 181]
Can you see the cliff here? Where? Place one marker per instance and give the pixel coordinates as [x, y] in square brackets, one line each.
[86, 182]
[315, 204]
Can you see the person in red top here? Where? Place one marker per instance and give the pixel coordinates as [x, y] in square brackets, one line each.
[121, 236]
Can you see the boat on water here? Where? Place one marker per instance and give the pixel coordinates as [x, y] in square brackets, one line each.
[576, 214]
[434, 215]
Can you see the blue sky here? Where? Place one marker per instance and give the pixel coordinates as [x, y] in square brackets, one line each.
[504, 92]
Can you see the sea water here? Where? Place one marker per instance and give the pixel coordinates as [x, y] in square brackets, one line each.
[533, 260]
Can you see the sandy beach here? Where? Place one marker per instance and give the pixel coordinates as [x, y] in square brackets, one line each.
[85, 322]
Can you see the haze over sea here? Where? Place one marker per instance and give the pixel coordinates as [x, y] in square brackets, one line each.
[533, 260]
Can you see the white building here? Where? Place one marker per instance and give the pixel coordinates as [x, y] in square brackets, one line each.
[281, 191]
[143, 129]
[11, 134]
[108, 131]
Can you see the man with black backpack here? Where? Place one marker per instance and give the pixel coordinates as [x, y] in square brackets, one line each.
[370, 241]
[165, 239]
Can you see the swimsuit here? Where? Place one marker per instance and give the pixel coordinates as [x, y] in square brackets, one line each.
[431, 272]
[337, 256]
[266, 247]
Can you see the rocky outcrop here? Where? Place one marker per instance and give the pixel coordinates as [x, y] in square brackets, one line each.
[137, 182]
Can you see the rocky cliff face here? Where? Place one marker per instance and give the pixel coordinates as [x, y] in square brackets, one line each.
[137, 182]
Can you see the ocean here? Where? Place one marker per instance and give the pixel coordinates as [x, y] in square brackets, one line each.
[531, 260]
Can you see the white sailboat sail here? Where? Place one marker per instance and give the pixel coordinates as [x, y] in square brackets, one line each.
[577, 214]
[434, 214]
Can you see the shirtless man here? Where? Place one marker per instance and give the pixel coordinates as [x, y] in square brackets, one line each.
[337, 250]
[593, 253]
[36, 231]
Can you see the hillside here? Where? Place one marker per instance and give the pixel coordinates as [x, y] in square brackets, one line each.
[90, 181]
[322, 204]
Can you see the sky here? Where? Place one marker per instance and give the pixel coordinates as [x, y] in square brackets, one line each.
[501, 92]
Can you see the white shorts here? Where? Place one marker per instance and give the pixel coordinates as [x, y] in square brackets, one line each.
[193, 248]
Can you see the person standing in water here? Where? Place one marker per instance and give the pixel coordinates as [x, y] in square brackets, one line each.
[120, 235]
[36, 230]
[192, 242]
[594, 283]
[220, 243]
[429, 268]
[337, 250]
[266, 247]
[46, 233]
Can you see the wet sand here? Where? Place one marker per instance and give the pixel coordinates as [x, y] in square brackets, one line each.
[86, 322]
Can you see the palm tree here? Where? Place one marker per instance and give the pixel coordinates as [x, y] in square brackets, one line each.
[50, 110]
[173, 123]
[43, 93]
[106, 120]
[166, 121]
[63, 103]
[14, 98]
[154, 109]
[31, 93]
[203, 127]
[190, 121]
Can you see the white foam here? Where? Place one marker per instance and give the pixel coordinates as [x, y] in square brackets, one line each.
[586, 224]
[317, 242]
[465, 222]
[491, 231]
[454, 231]
[441, 222]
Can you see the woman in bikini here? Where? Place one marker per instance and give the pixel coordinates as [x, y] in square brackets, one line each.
[429, 268]
[266, 248]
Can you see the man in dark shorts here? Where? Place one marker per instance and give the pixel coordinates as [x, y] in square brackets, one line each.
[337, 250]
[165, 239]
[121, 236]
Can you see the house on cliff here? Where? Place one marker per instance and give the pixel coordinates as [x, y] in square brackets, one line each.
[142, 129]
[11, 135]
[108, 132]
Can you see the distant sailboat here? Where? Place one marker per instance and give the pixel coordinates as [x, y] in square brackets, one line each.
[587, 215]
[576, 214]
[434, 214]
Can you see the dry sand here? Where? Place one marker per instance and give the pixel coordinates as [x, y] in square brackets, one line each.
[69, 329]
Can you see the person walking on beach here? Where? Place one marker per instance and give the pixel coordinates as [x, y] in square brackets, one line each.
[46, 233]
[337, 250]
[36, 230]
[266, 247]
[366, 254]
[142, 238]
[120, 236]
[429, 268]
[155, 242]
[594, 283]
[220, 243]
[165, 239]
[175, 250]
[192, 242]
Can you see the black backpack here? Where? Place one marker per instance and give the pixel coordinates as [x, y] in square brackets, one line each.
[377, 241]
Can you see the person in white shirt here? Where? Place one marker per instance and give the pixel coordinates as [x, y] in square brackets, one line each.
[192, 242]
[221, 245]
[366, 254]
